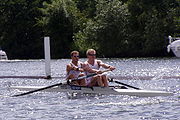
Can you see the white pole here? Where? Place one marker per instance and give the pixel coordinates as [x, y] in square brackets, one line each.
[170, 39]
[47, 56]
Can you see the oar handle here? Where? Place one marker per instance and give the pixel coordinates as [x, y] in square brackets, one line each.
[107, 70]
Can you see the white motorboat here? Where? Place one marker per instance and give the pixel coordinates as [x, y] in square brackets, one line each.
[174, 45]
[3, 55]
[112, 90]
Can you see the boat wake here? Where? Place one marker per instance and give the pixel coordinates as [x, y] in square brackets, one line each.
[137, 102]
[118, 77]
[81, 95]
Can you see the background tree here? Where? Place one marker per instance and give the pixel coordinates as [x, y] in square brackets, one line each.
[108, 32]
[19, 35]
[87, 7]
[61, 19]
[116, 28]
[151, 22]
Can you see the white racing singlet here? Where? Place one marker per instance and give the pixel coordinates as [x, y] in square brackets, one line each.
[75, 73]
[95, 66]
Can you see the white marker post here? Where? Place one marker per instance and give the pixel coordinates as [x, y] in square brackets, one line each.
[47, 57]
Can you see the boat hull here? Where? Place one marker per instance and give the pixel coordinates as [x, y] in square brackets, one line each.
[3, 55]
[174, 45]
[97, 90]
[176, 51]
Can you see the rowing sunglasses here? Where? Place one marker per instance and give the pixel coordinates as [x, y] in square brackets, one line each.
[91, 54]
[76, 56]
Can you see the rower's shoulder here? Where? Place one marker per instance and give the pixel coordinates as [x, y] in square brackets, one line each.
[85, 63]
[68, 65]
[80, 62]
[99, 62]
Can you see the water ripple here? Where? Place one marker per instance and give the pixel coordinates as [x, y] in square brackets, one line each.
[147, 73]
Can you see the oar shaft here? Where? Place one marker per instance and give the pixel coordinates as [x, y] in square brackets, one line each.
[86, 76]
[126, 85]
[37, 90]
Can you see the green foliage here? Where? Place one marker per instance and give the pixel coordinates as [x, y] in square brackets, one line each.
[61, 19]
[19, 36]
[116, 28]
[176, 15]
[152, 21]
[87, 7]
[108, 30]
[85, 39]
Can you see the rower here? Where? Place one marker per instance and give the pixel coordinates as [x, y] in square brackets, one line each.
[92, 65]
[74, 69]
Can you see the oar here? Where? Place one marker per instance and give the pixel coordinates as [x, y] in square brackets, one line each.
[40, 89]
[124, 84]
[91, 75]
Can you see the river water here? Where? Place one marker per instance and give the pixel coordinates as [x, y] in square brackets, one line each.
[146, 73]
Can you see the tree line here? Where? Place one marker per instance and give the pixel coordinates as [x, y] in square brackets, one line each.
[115, 28]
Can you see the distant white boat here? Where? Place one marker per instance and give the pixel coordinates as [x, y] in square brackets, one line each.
[174, 45]
[3, 55]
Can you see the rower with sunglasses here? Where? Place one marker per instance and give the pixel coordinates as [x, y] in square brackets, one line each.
[92, 65]
[74, 69]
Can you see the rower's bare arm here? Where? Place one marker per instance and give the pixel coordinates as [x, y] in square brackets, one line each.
[81, 69]
[106, 66]
[70, 67]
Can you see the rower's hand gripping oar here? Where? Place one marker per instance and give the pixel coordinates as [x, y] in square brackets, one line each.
[40, 89]
[86, 76]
